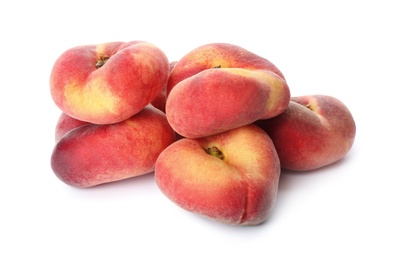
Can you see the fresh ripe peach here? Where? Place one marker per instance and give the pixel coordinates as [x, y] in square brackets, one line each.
[218, 87]
[314, 131]
[231, 177]
[160, 100]
[65, 124]
[217, 100]
[94, 154]
[108, 83]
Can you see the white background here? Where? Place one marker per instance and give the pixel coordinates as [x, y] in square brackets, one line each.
[341, 48]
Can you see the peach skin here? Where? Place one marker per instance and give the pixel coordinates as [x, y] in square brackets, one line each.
[108, 83]
[231, 177]
[65, 124]
[160, 100]
[93, 154]
[313, 132]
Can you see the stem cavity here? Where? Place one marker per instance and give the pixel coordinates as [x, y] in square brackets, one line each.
[102, 60]
[214, 151]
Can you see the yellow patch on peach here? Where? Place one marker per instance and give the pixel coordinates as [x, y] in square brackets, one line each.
[313, 105]
[235, 153]
[94, 99]
[239, 155]
[100, 48]
[266, 78]
[219, 177]
[196, 161]
[241, 72]
[219, 63]
[215, 59]
[146, 63]
[277, 88]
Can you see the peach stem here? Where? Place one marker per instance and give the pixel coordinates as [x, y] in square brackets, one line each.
[102, 61]
[214, 151]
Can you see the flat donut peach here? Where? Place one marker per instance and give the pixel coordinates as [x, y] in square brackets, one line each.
[218, 87]
[108, 83]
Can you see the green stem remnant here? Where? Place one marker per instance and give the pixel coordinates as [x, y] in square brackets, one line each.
[214, 151]
[308, 106]
[102, 61]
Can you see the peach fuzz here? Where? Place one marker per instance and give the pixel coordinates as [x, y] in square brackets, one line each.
[160, 100]
[93, 154]
[108, 83]
[220, 99]
[66, 123]
[313, 132]
[231, 177]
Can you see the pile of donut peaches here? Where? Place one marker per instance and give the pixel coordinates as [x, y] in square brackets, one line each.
[216, 127]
